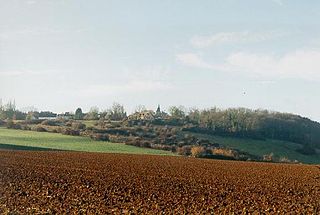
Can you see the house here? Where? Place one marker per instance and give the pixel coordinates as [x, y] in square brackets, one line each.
[65, 115]
[148, 115]
[143, 115]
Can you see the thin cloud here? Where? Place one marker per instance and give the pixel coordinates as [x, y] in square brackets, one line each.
[233, 37]
[193, 60]
[300, 64]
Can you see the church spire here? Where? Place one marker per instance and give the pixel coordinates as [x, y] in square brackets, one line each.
[158, 110]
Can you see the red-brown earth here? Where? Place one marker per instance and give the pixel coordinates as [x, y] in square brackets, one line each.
[93, 183]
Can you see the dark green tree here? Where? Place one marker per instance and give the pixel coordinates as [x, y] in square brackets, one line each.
[78, 114]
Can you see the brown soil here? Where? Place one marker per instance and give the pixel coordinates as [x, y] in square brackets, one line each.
[92, 183]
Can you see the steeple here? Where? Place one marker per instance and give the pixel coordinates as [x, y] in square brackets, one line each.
[158, 110]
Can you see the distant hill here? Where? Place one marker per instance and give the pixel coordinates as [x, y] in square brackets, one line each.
[257, 124]
[279, 149]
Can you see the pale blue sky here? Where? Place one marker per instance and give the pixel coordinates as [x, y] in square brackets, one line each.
[61, 54]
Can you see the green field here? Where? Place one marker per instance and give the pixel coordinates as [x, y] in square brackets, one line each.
[260, 147]
[30, 140]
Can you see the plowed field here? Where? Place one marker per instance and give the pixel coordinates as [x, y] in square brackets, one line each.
[89, 183]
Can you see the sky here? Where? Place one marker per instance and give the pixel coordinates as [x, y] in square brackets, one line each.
[62, 54]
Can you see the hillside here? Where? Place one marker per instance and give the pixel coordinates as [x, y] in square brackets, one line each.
[280, 149]
[235, 133]
[256, 124]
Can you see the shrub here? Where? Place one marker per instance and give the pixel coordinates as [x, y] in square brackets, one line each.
[285, 160]
[198, 151]
[10, 124]
[78, 126]
[75, 133]
[69, 131]
[189, 140]
[184, 150]
[34, 121]
[39, 129]
[17, 126]
[138, 142]
[202, 142]
[145, 144]
[49, 123]
[268, 157]
[225, 152]
[61, 120]
[59, 129]
[90, 128]
[164, 147]
[133, 143]
[99, 137]
[69, 123]
[2, 122]
[25, 127]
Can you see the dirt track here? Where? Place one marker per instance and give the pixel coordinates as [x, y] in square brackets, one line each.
[88, 183]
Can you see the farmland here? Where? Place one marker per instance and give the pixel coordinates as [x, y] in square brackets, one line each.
[74, 182]
[30, 140]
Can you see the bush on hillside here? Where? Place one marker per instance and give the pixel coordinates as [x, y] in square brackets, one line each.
[69, 123]
[198, 151]
[184, 150]
[26, 127]
[164, 147]
[49, 123]
[69, 131]
[78, 126]
[145, 144]
[34, 121]
[225, 152]
[39, 129]
[11, 125]
[287, 160]
[268, 157]
[99, 137]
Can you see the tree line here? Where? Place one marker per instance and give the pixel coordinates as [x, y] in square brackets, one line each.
[257, 124]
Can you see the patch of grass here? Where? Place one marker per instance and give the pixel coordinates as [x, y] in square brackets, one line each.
[64, 142]
[89, 123]
[259, 147]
